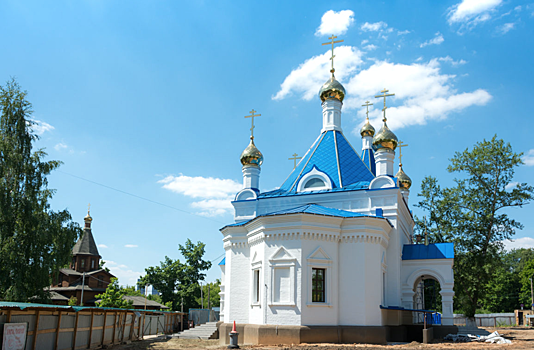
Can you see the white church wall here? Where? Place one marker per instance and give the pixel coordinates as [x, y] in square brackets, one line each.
[320, 252]
[282, 273]
[237, 261]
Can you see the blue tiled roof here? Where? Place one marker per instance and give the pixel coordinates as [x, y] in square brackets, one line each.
[223, 261]
[431, 251]
[368, 157]
[311, 209]
[332, 154]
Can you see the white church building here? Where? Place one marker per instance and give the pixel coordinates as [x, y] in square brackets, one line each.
[329, 256]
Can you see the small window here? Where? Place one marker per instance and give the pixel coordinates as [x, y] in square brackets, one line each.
[100, 281]
[256, 286]
[92, 263]
[82, 263]
[318, 285]
[314, 183]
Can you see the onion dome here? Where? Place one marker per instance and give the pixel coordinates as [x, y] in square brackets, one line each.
[332, 89]
[251, 155]
[403, 181]
[385, 140]
[88, 217]
[367, 129]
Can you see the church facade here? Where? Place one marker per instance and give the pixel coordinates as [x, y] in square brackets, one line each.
[328, 256]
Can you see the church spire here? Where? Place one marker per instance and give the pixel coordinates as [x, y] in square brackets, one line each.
[385, 143]
[367, 131]
[251, 159]
[332, 94]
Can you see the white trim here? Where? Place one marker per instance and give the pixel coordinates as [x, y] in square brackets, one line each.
[319, 259]
[314, 174]
[285, 261]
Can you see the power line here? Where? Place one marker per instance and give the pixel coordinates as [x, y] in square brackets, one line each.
[142, 198]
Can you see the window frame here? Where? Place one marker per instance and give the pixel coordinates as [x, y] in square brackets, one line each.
[319, 259]
[315, 284]
[255, 290]
[288, 261]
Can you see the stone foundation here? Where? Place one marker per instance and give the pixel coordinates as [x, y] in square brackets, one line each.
[273, 335]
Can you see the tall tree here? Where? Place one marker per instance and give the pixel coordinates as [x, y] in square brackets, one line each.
[34, 240]
[472, 214]
[177, 281]
[114, 296]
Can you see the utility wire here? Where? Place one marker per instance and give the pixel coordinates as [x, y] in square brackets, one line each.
[139, 197]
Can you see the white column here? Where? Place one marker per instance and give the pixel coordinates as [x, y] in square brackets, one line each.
[447, 317]
[332, 115]
[251, 176]
[367, 142]
[405, 195]
[384, 162]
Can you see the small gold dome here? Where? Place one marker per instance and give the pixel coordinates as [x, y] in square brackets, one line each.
[367, 129]
[403, 180]
[88, 217]
[332, 89]
[251, 155]
[385, 140]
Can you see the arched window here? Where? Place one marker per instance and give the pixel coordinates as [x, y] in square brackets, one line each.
[314, 180]
[314, 183]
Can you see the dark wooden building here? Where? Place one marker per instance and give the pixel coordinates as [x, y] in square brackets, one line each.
[84, 275]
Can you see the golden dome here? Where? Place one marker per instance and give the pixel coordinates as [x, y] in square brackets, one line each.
[251, 155]
[403, 180]
[88, 217]
[332, 89]
[385, 139]
[367, 129]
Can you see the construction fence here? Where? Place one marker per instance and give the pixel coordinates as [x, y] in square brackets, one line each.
[488, 320]
[53, 327]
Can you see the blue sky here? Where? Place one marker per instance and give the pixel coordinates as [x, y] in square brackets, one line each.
[148, 98]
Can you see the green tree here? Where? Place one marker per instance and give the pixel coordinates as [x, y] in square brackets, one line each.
[525, 276]
[34, 240]
[73, 301]
[504, 290]
[177, 281]
[114, 296]
[214, 288]
[472, 215]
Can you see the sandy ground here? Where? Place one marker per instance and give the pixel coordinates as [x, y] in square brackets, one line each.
[522, 338]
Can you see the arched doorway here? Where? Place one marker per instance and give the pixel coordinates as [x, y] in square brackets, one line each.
[427, 297]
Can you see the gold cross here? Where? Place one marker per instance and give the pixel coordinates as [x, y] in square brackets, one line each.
[332, 43]
[384, 95]
[294, 159]
[399, 146]
[367, 104]
[252, 115]
[88, 208]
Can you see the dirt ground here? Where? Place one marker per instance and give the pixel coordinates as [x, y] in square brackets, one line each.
[522, 338]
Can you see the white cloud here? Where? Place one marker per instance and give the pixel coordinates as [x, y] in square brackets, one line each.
[373, 27]
[364, 42]
[469, 13]
[60, 146]
[511, 185]
[335, 23]
[39, 127]
[370, 47]
[125, 275]
[449, 59]
[215, 194]
[130, 245]
[308, 77]
[529, 158]
[438, 39]
[518, 8]
[525, 242]
[403, 32]
[103, 246]
[505, 28]
[423, 93]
